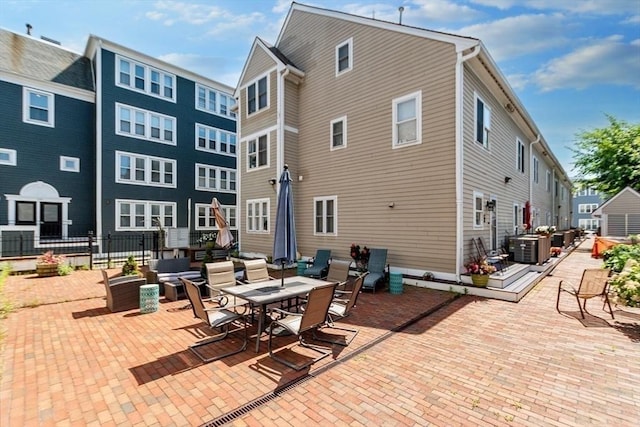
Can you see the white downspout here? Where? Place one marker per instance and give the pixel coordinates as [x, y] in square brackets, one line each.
[531, 144]
[460, 156]
[280, 125]
[99, 230]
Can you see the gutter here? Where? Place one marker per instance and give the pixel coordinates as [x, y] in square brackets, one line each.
[99, 231]
[461, 58]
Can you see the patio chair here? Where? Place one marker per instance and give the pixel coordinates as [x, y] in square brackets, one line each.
[216, 318]
[221, 275]
[338, 272]
[255, 270]
[377, 269]
[340, 308]
[497, 254]
[313, 317]
[320, 265]
[481, 255]
[123, 292]
[593, 284]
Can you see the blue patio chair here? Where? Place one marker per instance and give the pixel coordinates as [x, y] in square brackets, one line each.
[377, 267]
[320, 266]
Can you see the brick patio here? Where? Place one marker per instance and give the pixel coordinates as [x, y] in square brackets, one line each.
[66, 360]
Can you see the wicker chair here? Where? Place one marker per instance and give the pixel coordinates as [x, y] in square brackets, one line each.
[123, 292]
[593, 284]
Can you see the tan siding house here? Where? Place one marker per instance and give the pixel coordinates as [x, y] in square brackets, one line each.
[620, 215]
[377, 122]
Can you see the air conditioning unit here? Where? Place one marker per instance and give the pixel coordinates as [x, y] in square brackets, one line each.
[526, 250]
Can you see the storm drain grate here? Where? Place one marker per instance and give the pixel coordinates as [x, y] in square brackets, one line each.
[249, 406]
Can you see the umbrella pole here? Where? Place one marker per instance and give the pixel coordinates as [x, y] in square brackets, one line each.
[282, 274]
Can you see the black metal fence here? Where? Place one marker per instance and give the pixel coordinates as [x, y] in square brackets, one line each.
[106, 249]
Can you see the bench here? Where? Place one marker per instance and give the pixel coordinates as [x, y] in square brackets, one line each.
[166, 272]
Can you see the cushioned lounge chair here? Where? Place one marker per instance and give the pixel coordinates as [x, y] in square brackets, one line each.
[320, 265]
[377, 268]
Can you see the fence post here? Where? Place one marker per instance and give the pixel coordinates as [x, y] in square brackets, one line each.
[109, 250]
[142, 244]
[90, 250]
[21, 245]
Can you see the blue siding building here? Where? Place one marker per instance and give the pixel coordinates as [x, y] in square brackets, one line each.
[585, 201]
[110, 142]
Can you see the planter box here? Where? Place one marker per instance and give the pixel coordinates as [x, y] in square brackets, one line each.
[47, 270]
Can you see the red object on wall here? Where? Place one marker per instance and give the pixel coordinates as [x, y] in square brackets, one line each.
[527, 215]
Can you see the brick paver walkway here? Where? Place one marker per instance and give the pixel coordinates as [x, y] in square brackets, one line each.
[68, 361]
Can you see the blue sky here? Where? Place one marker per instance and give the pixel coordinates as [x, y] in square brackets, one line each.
[570, 61]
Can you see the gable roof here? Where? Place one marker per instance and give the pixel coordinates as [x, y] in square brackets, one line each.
[275, 54]
[27, 56]
[598, 211]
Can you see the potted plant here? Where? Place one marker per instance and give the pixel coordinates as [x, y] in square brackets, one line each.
[130, 267]
[47, 264]
[545, 230]
[480, 271]
[360, 256]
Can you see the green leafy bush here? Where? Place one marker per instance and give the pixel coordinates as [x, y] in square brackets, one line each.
[130, 267]
[64, 269]
[617, 256]
[626, 286]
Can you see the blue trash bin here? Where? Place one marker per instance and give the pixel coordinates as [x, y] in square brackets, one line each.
[395, 283]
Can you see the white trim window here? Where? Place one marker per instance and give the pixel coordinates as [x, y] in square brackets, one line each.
[478, 210]
[214, 140]
[482, 124]
[139, 169]
[139, 215]
[69, 164]
[38, 107]
[258, 215]
[205, 219]
[519, 155]
[214, 102]
[211, 178]
[589, 224]
[142, 124]
[536, 169]
[258, 95]
[407, 120]
[325, 216]
[344, 57]
[338, 133]
[548, 181]
[8, 157]
[258, 152]
[585, 208]
[140, 77]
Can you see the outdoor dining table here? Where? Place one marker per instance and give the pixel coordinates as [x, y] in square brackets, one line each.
[269, 291]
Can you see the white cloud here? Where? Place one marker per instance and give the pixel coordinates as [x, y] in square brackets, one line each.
[604, 61]
[635, 19]
[518, 81]
[598, 7]
[281, 6]
[519, 35]
[442, 10]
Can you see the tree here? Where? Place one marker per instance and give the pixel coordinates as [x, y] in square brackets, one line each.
[608, 159]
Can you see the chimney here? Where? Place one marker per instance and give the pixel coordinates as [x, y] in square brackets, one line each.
[29, 27]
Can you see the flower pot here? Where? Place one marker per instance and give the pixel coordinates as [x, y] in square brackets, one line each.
[480, 280]
[47, 270]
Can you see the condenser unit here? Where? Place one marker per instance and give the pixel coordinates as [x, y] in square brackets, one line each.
[526, 250]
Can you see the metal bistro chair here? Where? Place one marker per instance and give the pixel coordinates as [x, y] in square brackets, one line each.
[593, 284]
[338, 272]
[313, 317]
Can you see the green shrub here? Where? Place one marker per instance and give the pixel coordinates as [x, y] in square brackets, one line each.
[5, 305]
[626, 286]
[130, 267]
[64, 269]
[616, 257]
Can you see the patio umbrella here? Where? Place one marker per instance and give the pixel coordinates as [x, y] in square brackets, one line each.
[284, 244]
[224, 237]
